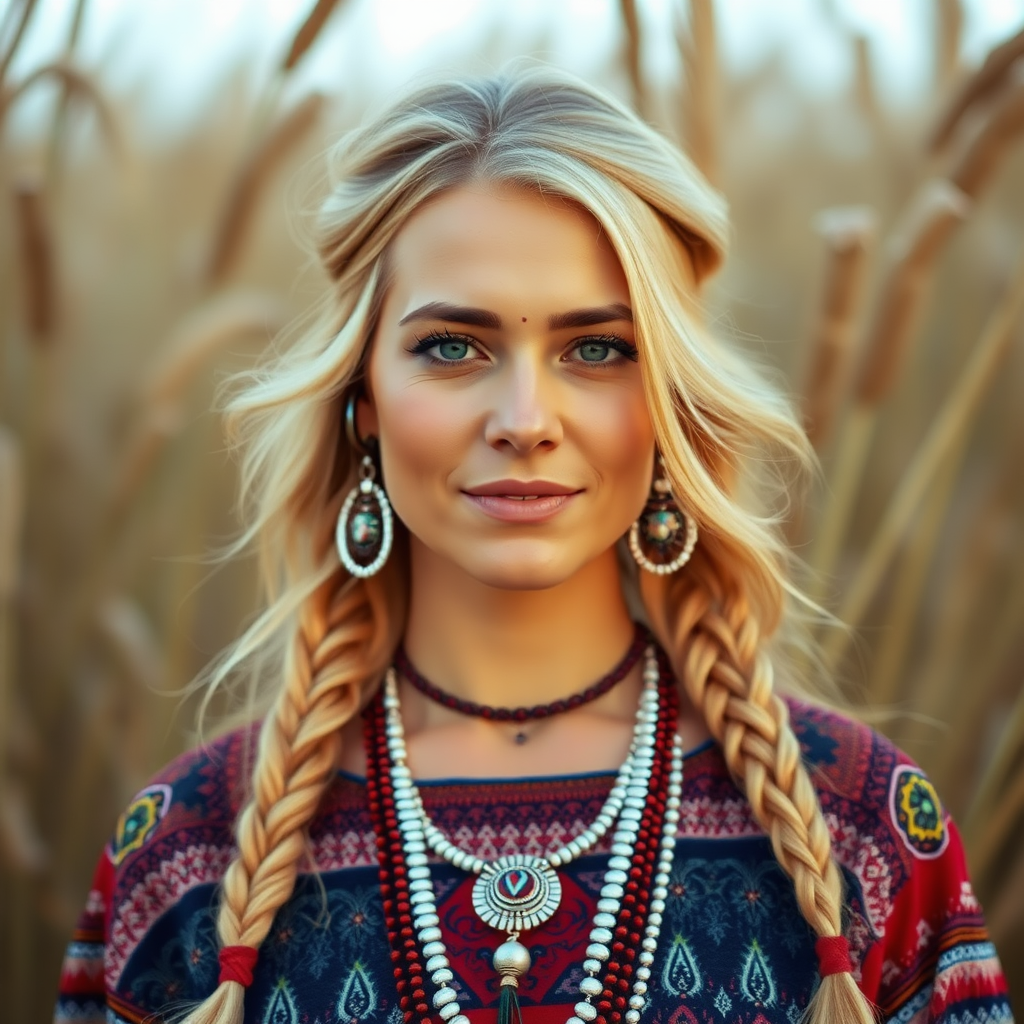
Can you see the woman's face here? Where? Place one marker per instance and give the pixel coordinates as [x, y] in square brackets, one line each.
[504, 388]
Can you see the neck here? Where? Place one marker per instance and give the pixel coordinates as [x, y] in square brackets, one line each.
[510, 648]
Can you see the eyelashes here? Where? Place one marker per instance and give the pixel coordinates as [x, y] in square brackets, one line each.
[591, 350]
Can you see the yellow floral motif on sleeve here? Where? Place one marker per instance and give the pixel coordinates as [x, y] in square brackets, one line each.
[917, 813]
[139, 821]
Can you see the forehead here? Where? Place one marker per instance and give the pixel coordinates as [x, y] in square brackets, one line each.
[495, 243]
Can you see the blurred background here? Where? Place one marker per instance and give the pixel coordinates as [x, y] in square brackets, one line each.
[155, 163]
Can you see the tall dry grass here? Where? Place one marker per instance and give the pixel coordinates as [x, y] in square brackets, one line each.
[872, 267]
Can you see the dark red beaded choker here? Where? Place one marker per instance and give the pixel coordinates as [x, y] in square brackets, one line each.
[468, 707]
[627, 937]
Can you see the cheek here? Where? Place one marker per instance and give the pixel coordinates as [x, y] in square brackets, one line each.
[619, 441]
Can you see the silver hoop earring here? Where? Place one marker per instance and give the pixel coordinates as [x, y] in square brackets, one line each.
[365, 528]
[662, 539]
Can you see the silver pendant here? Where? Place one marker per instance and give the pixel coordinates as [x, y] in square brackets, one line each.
[517, 893]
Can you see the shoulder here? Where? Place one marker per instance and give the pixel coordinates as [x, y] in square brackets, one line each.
[195, 797]
[887, 821]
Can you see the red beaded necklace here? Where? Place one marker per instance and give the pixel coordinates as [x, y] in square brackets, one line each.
[467, 707]
[409, 969]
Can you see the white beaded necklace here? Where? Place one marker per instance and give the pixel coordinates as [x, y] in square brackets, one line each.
[518, 892]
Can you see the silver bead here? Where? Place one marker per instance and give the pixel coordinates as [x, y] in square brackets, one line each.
[619, 863]
[444, 996]
[558, 858]
[460, 1019]
[430, 934]
[591, 987]
[636, 1002]
[420, 885]
[448, 1011]
[614, 877]
[607, 906]
[649, 944]
[632, 1016]
[622, 850]
[512, 959]
[603, 920]
[645, 958]
[643, 973]
[431, 949]
[585, 1011]
[592, 966]
[597, 951]
[416, 860]
[426, 920]
[640, 987]
[436, 962]
[574, 848]
[612, 890]
[442, 977]
[602, 935]
[654, 918]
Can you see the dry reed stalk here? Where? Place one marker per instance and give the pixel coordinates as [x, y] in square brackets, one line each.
[128, 637]
[950, 28]
[982, 153]
[886, 680]
[250, 181]
[27, 10]
[988, 79]
[996, 830]
[12, 513]
[631, 53]
[698, 50]
[997, 772]
[229, 319]
[911, 251]
[308, 32]
[847, 232]
[864, 81]
[36, 249]
[58, 131]
[954, 418]
[76, 83]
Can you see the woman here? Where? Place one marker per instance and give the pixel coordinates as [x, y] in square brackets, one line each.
[512, 359]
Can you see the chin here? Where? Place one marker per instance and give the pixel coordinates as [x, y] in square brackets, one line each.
[512, 568]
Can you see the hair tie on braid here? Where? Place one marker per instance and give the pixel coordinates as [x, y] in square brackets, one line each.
[236, 964]
[833, 955]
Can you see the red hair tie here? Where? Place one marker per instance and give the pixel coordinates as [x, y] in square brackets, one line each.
[236, 964]
[833, 955]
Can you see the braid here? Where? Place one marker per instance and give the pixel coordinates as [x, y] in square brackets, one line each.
[715, 645]
[338, 648]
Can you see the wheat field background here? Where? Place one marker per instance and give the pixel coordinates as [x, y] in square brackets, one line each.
[878, 265]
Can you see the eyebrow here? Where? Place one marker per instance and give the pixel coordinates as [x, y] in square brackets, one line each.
[475, 317]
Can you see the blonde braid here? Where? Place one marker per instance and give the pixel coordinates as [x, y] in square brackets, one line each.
[714, 642]
[340, 646]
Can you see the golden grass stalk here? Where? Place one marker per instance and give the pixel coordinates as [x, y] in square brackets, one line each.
[702, 103]
[21, 846]
[997, 772]
[847, 232]
[12, 513]
[988, 79]
[250, 182]
[949, 31]
[864, 80]
[36, 250]
[57, 133]
[27, 9]
[76, 83]
[308, 32]
[953, 420]
[913, 249]
[886, 675]
[631, 53]
[229, 319]
[982, 154]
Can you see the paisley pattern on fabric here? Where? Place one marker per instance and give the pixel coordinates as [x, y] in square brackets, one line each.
[917, 813]
[139, 821]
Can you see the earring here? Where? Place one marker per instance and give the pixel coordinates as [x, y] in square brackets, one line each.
[365, 527]
[663, 530]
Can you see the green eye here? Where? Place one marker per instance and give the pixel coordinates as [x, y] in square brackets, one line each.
[453, 350]
[593, 351]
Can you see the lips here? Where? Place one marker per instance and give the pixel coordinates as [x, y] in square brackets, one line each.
[521, 501]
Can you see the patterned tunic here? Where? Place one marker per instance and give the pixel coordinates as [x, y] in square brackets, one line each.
[733, 950]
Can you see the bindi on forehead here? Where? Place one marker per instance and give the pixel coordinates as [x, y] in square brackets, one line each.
[524, 319]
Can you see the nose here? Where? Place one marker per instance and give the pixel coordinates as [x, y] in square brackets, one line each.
[525, 412]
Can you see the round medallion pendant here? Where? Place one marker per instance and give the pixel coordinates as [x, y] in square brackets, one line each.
[515, 894]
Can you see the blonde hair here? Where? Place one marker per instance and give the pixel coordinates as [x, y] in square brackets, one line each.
[328, 637]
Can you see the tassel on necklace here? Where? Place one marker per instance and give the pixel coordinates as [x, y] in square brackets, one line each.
[511, 961]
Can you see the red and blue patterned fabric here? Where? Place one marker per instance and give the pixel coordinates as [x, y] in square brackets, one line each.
[734, 948]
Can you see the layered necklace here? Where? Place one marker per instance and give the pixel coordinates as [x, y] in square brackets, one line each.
[516, 893]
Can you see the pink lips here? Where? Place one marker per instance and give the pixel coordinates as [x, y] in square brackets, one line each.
[521, 501]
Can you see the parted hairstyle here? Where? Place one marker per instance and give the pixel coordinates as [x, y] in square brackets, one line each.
[326, 638]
